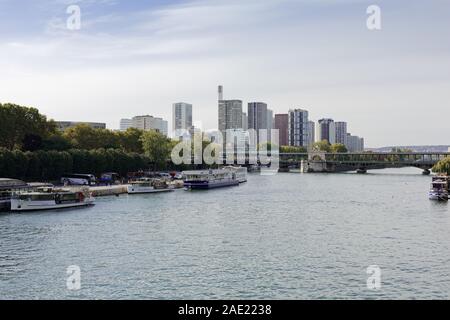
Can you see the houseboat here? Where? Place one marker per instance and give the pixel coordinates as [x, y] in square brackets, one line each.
[240, 172]
[209, 179]
[48, 198]
[439, 188]
[148, 185]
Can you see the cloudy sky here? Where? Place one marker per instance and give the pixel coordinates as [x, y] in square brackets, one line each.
[138, 57]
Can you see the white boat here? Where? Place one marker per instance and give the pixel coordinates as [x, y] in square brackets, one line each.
[147, 185]
[50, 199]
[209, 179]
[240, 173]
[439, 188]
[7, 186]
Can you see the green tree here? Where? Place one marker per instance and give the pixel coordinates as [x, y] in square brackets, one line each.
[323, 145]
[157, 147]
[130, 140]
[82, 136]
[292, 149]
[443, 166]
[17, 122]
[338, 148]
[56, 142]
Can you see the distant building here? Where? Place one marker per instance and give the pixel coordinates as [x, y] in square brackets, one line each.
[341, 132]
[326, 130]
[244, 121]
[257, 115]
[282, 124]
[269, 119]
[311, 133]
[148, 123]
[354, 143]
[181, 117]
[230, 115]
[298, 128]
[63, 125]
[125, 124]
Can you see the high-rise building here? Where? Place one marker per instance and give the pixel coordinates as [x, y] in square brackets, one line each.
[244, 121]
[298, 128]
[257, 115]
[181, 118]
[341, 132]
[147, 123]
[230, 115]
[354, 143]
[125, 124]
[311, 133]
[326, 130]
[282, 124]
[269, 119]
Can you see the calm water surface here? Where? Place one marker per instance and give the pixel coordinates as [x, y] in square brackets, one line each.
[288, 236]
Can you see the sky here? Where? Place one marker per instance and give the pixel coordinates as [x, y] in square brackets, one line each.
[138, 57]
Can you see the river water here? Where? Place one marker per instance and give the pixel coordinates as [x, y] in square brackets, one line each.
[288, 236]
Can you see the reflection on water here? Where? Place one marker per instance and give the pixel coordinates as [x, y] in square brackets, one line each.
[287, 236]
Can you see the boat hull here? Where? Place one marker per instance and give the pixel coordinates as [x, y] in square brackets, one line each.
[23, 206]
[134, 190]
[206, 185]
[5, 205]
[440, 196]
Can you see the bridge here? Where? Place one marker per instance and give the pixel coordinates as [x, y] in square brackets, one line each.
[341, 162]
[361, 162]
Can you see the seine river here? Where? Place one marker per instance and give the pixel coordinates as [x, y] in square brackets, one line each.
[288, 236]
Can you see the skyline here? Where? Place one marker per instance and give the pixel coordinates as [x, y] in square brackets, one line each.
[132, 58]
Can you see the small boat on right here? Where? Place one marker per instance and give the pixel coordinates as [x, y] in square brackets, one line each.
[439, 188]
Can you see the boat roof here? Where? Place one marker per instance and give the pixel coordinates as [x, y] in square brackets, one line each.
[202, 172]
[6, 183]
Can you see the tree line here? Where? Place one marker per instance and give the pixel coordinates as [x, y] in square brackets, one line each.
[51, 165]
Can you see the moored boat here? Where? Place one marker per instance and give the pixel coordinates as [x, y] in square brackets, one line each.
[50, 199]
[209, 179]
[7, 186]
[439, 188]
[240, 172]
[147, 185]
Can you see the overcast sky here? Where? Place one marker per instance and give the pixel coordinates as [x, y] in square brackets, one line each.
[138, 57]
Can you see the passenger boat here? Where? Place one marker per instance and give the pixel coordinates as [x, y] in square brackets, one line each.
[209, 179]
[240, 172]
[147, 185]
[7, 186]
[48, 198]
[439, 188]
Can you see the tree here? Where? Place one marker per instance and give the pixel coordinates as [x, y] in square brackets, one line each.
[31, 142]
[292, 149]
[157, 147]
[443, 166]
[82, 136]
[323, 145]
[130, 140]
[56, 142]
[16, 122]
[338, 148]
